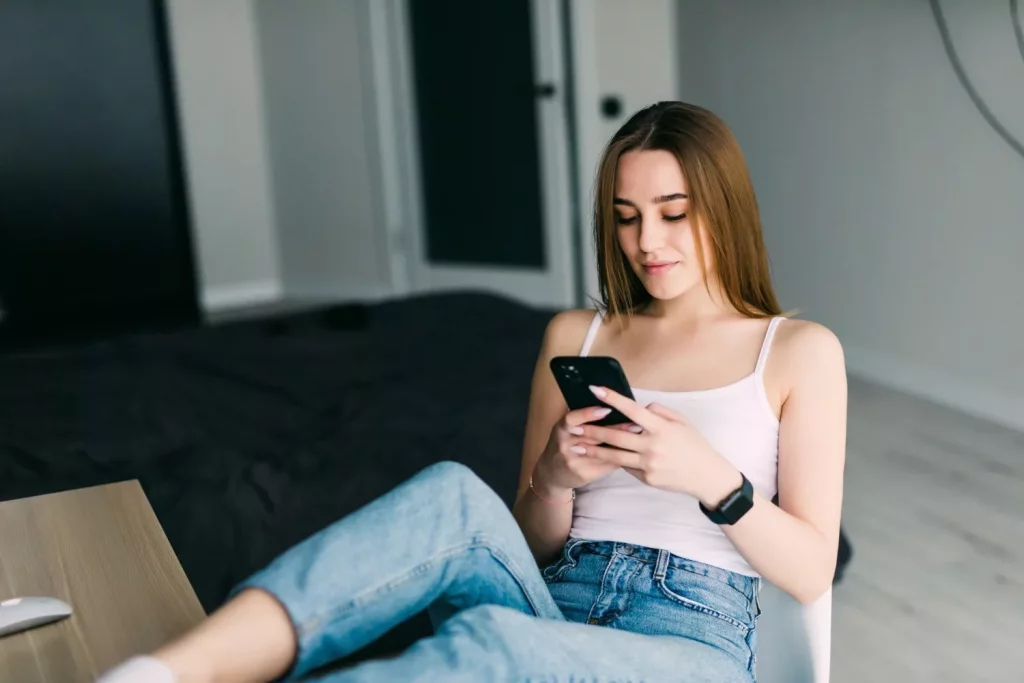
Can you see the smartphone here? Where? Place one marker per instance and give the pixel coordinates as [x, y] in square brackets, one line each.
[576, 374]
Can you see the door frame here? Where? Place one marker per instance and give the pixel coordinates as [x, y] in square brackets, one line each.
[591, 54]
[582, 20]
[391, 72]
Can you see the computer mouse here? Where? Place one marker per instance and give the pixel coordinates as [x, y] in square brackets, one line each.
[21, 614]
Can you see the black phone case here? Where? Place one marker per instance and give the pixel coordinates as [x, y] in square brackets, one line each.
[575, 375]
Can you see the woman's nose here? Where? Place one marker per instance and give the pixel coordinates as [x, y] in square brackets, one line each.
[652, 237]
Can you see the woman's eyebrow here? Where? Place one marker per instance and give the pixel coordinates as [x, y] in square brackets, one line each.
[622, 201]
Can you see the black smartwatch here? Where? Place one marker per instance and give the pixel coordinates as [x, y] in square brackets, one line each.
[734, 506]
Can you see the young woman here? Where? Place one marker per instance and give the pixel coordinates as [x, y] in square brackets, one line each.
[654, 537]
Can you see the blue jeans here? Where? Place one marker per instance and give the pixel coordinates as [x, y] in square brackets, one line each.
[445, 542]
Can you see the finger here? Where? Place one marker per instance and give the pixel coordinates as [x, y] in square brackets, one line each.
[579, 447]
[631, 409]
[573, 432]
[627, 459]
[667, 413]
[578, 430]
[615, 437]
[583, 415]
[628, 427]
[574, 440]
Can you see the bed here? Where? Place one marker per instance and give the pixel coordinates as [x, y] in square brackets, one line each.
[249, 436]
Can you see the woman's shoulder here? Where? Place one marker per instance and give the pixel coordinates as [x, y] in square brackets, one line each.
[566, 331]
[804, 347]
[806, 336]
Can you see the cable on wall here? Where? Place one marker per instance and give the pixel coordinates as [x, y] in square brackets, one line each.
[954, 60]
[1018, 28]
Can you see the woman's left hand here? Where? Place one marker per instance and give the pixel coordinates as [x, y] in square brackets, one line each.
[668, 454]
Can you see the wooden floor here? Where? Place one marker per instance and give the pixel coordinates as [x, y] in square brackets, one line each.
[934, 508]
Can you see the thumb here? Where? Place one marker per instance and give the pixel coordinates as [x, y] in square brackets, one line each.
[662, 411]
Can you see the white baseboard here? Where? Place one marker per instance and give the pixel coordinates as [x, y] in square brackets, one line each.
[967, 397]
[240, 295]
[338, 292]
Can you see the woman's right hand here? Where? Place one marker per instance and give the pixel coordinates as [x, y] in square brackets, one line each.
[560, 468]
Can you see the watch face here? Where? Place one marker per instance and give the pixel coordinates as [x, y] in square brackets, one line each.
[738, 504]
[736, 507]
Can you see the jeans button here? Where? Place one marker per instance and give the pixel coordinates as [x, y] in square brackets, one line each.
[626, 549]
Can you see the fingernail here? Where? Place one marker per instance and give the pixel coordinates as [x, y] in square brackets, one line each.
[578, 449]
[602, 412]
[598, 391]
[578, 431]
[636, 429]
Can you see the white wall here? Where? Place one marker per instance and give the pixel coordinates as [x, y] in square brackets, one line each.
[893, 213]
[321, 138]
[628, 49]
[220, 106]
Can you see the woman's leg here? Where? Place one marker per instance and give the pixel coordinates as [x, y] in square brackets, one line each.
[500, 645]
[250, 638]
[443, 538]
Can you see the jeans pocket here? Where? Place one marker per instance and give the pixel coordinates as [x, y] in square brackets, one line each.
[570, 557]
[708, 596]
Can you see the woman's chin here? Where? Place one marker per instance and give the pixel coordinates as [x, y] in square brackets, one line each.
[666, 291]
[662, 293]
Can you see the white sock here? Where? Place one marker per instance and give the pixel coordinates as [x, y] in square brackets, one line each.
[139, 670]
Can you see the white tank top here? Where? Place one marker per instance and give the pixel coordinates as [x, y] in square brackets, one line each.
[738, 421]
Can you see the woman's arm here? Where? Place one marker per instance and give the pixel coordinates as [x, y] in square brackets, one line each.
[794, 545]
[546, 524]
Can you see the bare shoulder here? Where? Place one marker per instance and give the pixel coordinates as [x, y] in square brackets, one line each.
[566, 331]
[806, 349]
[799, 337]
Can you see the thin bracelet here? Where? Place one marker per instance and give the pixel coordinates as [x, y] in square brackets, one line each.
[548, 500]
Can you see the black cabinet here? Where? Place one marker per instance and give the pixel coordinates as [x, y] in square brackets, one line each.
[94, 224]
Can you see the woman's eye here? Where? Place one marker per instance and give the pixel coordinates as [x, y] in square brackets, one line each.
[624, 220]
[675, 219]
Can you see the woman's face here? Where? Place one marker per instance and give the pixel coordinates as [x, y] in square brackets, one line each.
[655, 229]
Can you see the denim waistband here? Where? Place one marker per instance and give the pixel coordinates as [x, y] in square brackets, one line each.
[747, 585]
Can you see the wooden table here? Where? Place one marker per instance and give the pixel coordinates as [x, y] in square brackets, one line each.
[102, 551]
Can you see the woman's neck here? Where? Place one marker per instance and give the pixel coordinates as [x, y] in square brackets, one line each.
[693, 307]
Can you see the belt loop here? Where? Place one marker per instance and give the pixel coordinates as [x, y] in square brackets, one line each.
[661, 567]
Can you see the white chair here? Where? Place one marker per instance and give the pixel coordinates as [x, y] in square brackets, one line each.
[794, 641]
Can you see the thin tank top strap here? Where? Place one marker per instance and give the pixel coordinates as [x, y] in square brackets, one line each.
[588, 341]
[766, 345]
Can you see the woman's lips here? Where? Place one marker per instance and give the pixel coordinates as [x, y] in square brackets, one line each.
[659, 267]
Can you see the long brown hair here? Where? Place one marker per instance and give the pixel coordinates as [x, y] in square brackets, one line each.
[721, 199]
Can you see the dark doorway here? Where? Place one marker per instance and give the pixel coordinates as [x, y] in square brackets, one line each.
[478, 132]
[94, 232]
